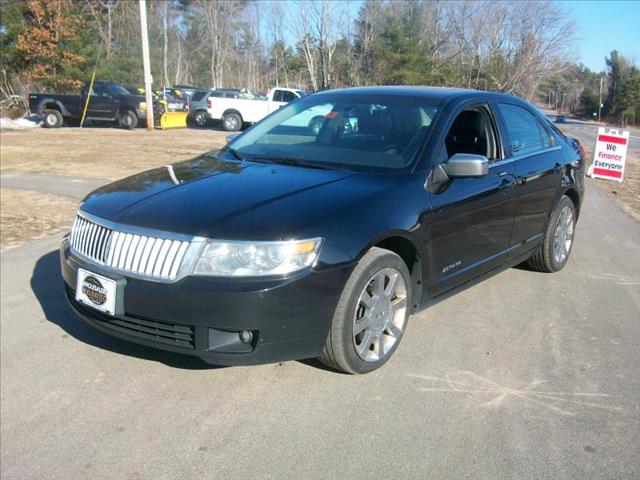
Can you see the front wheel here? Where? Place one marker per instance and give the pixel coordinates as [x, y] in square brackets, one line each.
[554, 252]
[128, 120]
[371, 315]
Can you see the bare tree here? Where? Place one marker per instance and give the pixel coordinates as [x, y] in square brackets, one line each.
[102, 13]
[301, 27]
[217, 19]
[327, 21]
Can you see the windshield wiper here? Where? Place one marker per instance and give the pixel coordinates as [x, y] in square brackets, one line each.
[234, 152]
[297, 162]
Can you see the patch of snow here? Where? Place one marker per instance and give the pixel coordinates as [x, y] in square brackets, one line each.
[18, 124]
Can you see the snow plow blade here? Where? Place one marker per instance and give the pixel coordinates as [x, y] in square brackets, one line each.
[173, 120]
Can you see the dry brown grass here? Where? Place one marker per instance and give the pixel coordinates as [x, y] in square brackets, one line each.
[101, 152]
[25, 215]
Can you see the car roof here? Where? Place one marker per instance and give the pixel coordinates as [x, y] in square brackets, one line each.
[442, 93]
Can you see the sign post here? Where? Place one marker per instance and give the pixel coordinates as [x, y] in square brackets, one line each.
[609, 154]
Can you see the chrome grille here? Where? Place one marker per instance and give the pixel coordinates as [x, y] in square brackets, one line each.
[148, 256]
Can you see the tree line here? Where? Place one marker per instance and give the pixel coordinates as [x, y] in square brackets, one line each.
[522, 48]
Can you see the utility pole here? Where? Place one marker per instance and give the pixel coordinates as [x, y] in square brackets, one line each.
[147, 65]
[600, 99]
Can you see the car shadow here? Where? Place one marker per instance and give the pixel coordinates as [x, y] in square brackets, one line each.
[47, 285]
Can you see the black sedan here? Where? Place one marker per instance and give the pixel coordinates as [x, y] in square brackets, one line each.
[318, 231]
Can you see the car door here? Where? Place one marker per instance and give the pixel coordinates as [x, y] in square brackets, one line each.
[537, 159]
[101, 103]
[472, 218]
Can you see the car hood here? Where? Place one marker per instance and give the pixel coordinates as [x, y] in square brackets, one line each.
[217, 198]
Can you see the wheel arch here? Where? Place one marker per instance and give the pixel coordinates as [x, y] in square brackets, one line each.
[574, 196]
[51, 104]
[405, 247]
[124, 109]
[232, 110]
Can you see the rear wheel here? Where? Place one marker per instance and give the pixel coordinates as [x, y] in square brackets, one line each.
[199, 119]
[52, 119]
[371, 315]
[554, 252]
[128, 120]
[232, 122]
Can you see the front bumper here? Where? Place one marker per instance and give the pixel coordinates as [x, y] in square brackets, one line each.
[202, 316]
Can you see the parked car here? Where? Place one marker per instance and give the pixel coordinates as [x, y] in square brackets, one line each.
[561, 119]
[198, 115]
[241, 109]
[108, 102]
[294, 242]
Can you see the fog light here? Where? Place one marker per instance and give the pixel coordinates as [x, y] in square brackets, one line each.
[246, 336]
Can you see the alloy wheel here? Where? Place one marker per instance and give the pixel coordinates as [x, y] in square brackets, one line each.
[563, 236]
[231, 123]
[379, 318]
[200, 119]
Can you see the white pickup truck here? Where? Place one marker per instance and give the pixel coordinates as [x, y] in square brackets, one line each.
[237, 110]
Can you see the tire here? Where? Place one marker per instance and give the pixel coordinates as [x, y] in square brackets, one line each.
[199, 119]
[554, 252]
[231, 122]
[128, 120]
[52, 119]
[352, 344]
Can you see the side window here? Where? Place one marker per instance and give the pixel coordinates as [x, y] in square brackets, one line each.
[524, 130]
[472, 132]
[278, 96]
[98, 91]
[288, 97]
[548, 140]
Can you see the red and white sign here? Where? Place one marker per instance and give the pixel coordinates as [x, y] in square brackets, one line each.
[609, 154]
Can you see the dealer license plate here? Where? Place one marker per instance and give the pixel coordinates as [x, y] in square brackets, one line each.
[96, 291]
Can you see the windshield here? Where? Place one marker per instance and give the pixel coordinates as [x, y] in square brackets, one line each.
[117, 90]
[367, 133]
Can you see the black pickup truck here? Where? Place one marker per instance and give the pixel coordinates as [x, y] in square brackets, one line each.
[108, 102]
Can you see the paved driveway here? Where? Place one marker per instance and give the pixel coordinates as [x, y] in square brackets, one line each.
[527, 376]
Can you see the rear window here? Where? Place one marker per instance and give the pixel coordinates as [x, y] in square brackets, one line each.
[196, 97]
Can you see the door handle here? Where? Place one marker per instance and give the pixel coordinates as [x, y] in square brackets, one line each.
[507, 183]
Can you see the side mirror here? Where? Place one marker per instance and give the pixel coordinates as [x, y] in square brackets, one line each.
[466, 165]
[231, 137]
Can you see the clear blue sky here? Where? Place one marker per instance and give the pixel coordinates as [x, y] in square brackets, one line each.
[605, 25]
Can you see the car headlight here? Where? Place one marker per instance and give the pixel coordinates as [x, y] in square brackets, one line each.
[253, 259]
[142, 106]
